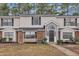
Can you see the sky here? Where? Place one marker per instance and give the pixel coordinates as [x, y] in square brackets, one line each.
[11, 5]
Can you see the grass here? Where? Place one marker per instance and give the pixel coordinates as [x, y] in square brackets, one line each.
[29, 50]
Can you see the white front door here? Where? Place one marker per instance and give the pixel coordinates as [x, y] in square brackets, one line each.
[51, 35]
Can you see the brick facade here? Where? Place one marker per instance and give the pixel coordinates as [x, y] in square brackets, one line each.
[77, 35]
[19, 37]
[40, 35]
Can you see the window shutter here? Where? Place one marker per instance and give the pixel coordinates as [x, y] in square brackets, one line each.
[59, 34]
[12, 22]
[1, 21]
[76, 22]
[32, 20]
[39, 20]
[64, 22]
[44, 27]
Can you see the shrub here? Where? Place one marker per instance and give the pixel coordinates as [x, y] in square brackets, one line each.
[39, 41]
[3, 39]
[76, 39]
[10, 39]
[59, 42]
[44, 41]
[73, 40]
[0, 39]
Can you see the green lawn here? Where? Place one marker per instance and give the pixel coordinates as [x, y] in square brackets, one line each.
[29, 50]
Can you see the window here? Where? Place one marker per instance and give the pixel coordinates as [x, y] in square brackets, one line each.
[70, 22]
[8, 34]
[7, 22]
[36, 20]
[29, 35]
[51, 27]
[67, 35]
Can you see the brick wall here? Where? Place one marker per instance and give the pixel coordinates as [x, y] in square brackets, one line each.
[77, 35]
[40, 35]
[19, 37]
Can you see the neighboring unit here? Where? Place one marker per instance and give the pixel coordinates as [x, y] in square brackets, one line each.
[31, 28]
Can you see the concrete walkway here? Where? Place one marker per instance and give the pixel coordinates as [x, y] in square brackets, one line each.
[64, 50]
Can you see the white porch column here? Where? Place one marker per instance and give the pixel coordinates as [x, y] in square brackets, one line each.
[55, 40]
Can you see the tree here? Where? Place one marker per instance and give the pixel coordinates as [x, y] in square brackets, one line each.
[76, 6]
[50, 9]
[54, 9]
[4, 9]
[42, 8]
[15, 11]
[75, 14]
[64, 9]
[25, 8]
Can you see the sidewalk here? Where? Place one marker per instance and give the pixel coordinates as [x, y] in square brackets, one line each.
[64, 50]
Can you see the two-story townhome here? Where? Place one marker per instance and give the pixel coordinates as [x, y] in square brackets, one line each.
[31, 28]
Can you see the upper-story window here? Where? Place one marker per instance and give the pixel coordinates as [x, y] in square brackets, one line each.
[36, 20]
[7, 22]
[70, 22]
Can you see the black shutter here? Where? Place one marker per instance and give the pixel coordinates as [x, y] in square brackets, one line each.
[64, 22]
[44, 27]
[76, 22]
[59, 35]
[32, 20]
[1, 21]
[12, 21]
[39, 20]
